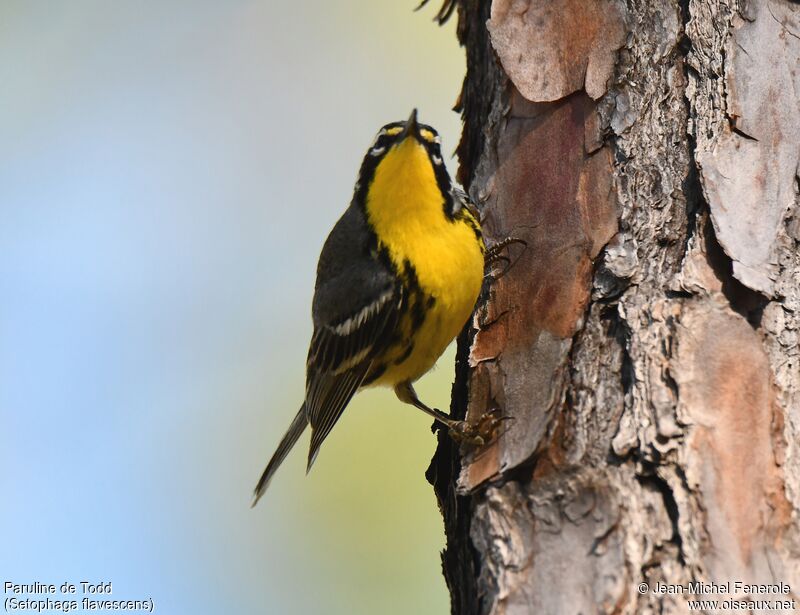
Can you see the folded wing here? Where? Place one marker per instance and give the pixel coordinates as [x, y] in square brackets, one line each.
[339, 358]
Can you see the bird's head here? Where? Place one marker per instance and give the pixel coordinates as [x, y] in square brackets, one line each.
[409, 135]
[406, 154]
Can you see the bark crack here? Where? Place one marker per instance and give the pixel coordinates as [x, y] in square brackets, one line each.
[743, 300]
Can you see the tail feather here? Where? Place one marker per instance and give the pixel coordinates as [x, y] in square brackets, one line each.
[289, 439]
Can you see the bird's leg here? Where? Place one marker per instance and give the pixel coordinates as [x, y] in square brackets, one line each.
[495, 254]
[461, 431]
[405, 392]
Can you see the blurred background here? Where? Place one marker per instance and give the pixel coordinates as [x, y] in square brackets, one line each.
[168, 173]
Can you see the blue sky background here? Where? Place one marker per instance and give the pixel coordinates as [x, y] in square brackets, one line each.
[168, 173]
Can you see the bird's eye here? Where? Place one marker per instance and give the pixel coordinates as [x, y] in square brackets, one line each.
[377, 151]
[437, 160]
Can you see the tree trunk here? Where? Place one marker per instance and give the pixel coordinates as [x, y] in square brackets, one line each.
[646, 341]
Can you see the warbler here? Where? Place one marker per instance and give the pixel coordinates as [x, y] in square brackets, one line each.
[397, 279]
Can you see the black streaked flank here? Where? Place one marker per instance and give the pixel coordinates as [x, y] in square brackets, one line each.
[406, 353]
[375, 373]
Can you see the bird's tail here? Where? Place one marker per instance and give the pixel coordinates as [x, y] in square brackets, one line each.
[289, 439]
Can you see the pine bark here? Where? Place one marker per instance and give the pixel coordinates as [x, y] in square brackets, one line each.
[646, 341]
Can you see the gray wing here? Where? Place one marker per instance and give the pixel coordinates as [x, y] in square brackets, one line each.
[356, 305]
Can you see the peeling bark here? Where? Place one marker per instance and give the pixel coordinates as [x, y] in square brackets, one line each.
[646, 341]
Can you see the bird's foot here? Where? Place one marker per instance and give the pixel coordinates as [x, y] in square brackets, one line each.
[478, 435]
[497, 253]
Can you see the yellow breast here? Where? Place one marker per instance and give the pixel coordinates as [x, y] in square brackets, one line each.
[440, 259]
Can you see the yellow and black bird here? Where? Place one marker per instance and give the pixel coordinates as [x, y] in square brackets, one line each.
[397, 279]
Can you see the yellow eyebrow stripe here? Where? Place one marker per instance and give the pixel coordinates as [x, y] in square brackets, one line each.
[394, 131]
[427, 135]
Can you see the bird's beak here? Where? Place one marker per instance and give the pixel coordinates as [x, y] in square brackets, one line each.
[411, 127]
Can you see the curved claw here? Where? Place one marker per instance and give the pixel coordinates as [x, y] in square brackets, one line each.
[478, 435]
[491, 275]
[494, 254]
[493, 251]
